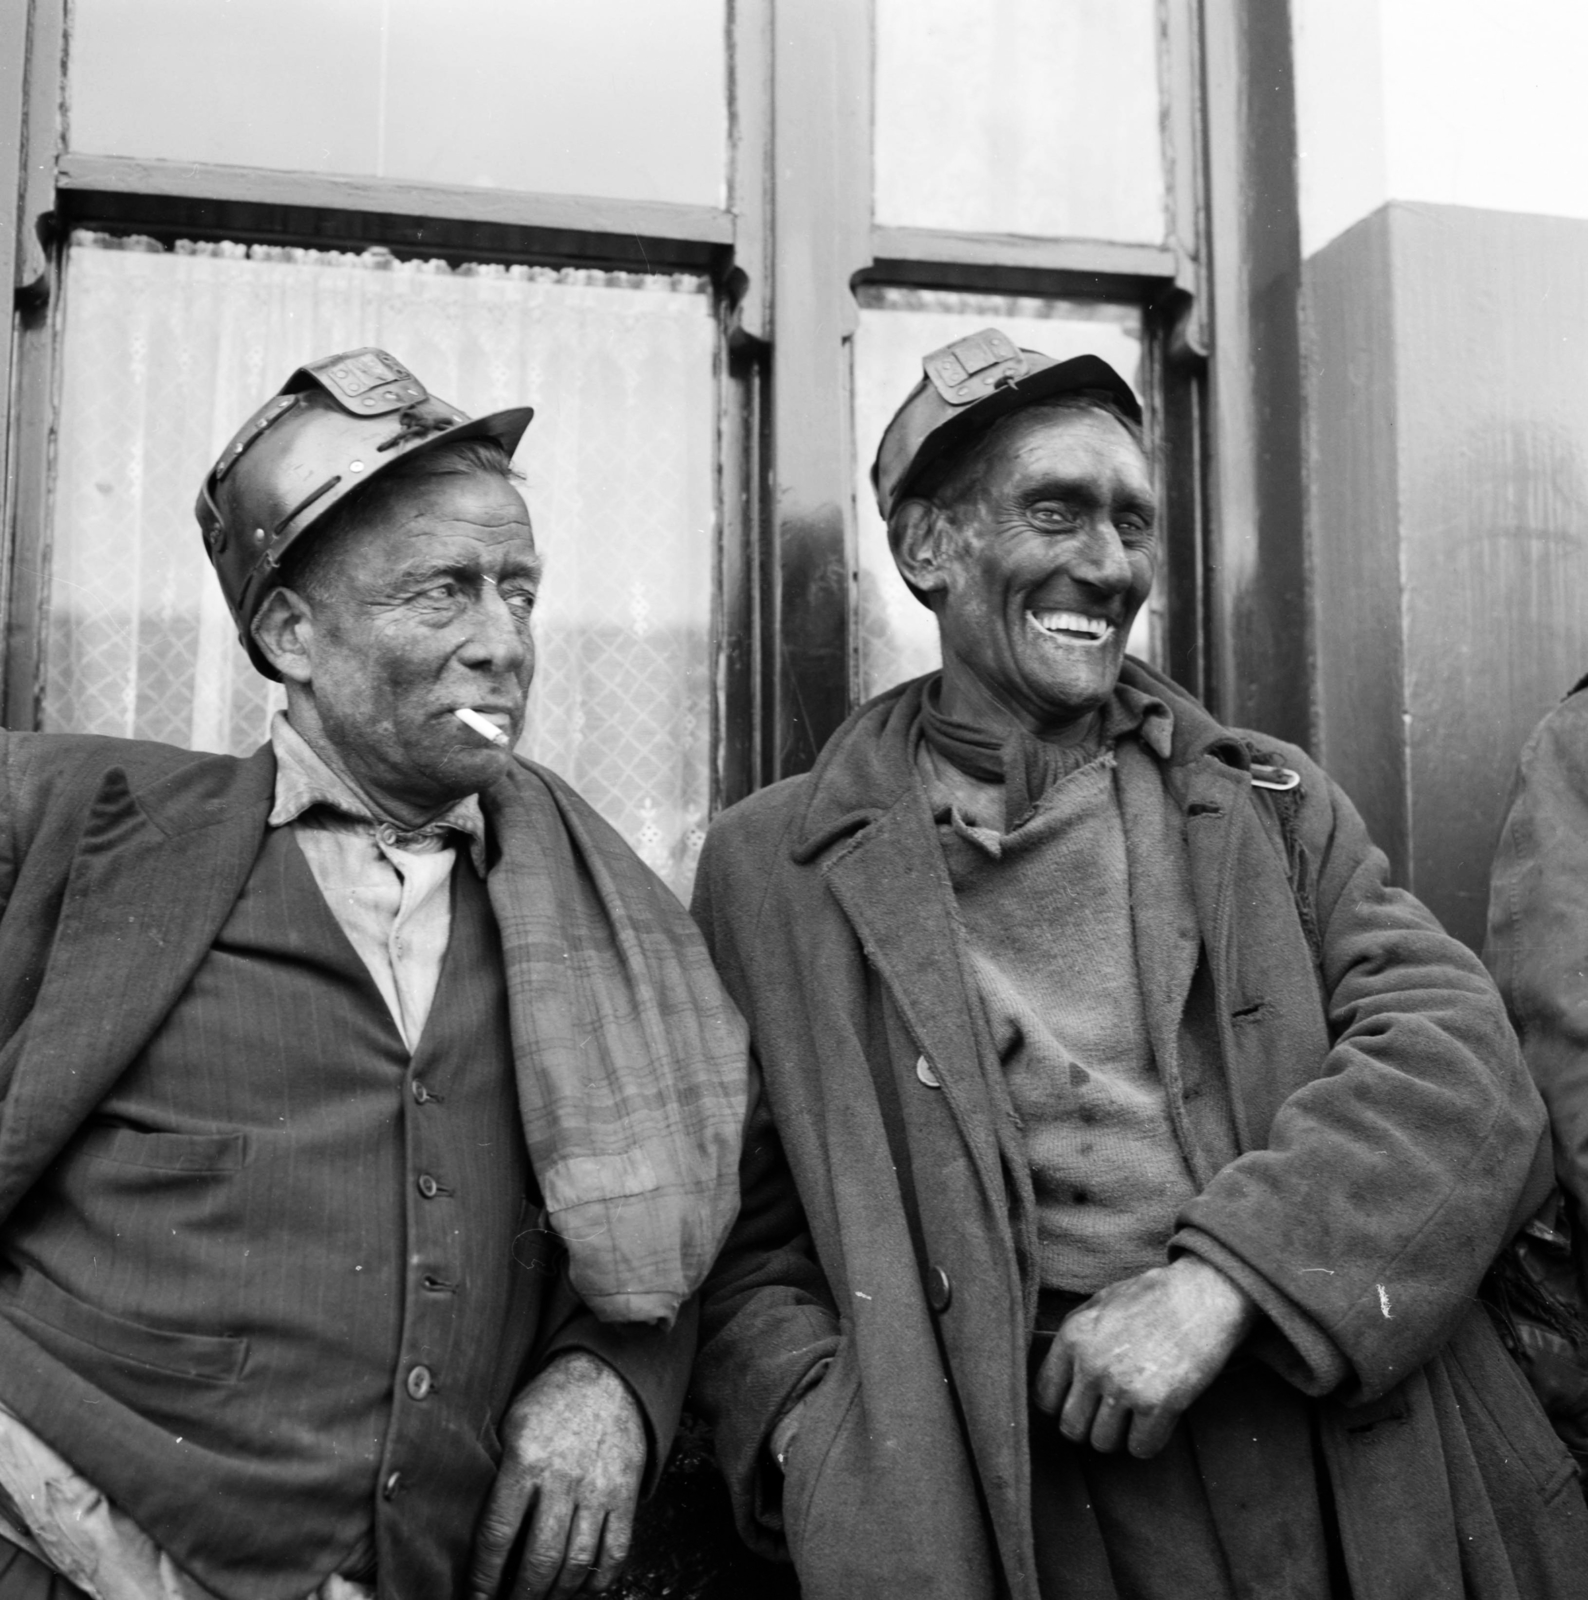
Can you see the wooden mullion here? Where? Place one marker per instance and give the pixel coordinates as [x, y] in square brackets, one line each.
[1081, 258]
[263, 186]
[14, 17]
[1259, 629]
[248, 205]
[168, 218]
[1181, 326]
[30, 422]
[821, 242]
[743, 546]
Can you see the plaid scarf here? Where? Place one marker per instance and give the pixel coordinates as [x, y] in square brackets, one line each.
[632, 1060]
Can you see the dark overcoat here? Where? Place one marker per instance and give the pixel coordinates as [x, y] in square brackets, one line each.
[1538, 928]
[1387, 1141]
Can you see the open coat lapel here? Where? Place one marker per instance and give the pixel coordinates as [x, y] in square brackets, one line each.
[154, 877]
[893, 887]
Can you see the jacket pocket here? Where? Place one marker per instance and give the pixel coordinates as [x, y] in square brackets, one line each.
[1489, 1383]
[164, 1152]
[197, 1357]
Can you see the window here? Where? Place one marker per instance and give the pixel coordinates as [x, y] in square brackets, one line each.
[526, 95]
[710, 241]
[1020, 117]
[162, 350]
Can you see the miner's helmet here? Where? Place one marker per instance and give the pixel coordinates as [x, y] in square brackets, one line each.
[966, 386]
[335, 426]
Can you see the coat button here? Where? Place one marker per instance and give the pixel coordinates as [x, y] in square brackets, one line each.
[420, 1382]
[939, 1290]
[923, 1070]
[428, 1186]
[392, 1484]
[421, 1094]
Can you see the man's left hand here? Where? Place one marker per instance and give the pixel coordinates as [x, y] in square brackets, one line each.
[1127, 1363]
[573, 1455]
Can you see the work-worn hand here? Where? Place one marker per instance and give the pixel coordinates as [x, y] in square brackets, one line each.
[1130, 1360]
[573, 1454]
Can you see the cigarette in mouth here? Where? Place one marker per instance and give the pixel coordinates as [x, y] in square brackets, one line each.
[483, 727]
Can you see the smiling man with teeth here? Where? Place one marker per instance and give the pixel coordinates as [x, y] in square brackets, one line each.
[1130, 1150]
[370, 1113]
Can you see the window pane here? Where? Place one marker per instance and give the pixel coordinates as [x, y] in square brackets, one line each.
[165, 354]
[897, 634]
[1020, 116]
[623, 98]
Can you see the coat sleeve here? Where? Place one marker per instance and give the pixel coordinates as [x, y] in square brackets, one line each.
[1389, 1178]
[1537, 946]
[767, 1323]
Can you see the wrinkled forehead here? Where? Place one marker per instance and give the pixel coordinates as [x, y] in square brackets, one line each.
[1073, 436]
[464, 521]
[1069, 416]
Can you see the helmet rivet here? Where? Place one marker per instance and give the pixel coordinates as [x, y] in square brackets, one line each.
[355, 466]
[259, 535]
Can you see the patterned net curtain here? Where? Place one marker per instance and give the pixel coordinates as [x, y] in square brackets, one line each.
[166, 352]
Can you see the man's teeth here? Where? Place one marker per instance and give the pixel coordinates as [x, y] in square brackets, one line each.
[1072, 622]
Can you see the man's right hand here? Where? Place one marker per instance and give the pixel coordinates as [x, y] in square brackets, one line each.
[1124, 1366]
[573, 1455]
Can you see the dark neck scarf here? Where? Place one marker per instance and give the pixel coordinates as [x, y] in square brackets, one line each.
[1025, 765]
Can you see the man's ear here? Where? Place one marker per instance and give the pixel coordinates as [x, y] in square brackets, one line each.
[917, 535]
[284, 631]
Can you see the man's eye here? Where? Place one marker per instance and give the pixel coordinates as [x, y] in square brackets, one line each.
[1052, 515]
[445, 593]
[521, 602]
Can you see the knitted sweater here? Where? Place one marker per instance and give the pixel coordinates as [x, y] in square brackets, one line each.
[1046, 918]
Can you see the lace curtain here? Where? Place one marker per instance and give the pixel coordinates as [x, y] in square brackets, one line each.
[165, 353]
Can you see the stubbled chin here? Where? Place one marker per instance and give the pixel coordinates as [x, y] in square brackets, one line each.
[1075, 681]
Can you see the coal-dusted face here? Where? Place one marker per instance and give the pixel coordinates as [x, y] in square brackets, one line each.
[1045, 548]
[424, 610]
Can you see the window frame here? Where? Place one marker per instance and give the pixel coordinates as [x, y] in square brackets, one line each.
[826, 243]
[785, 254]
[59, 190]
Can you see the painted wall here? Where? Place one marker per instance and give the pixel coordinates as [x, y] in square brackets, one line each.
[1459, 102]
[1444, 215]
[1448, 374]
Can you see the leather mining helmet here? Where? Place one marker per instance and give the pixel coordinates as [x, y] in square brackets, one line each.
[967, 386]
[335, 425]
